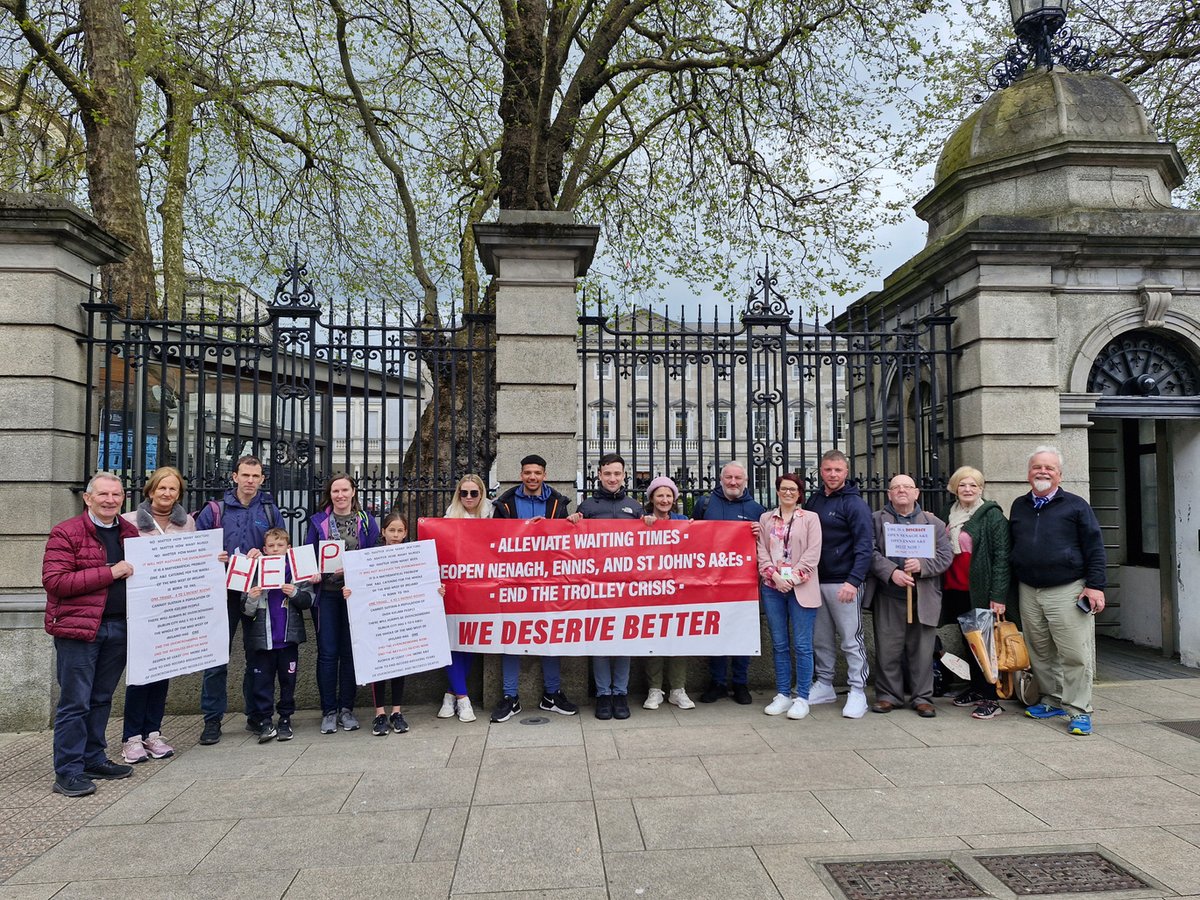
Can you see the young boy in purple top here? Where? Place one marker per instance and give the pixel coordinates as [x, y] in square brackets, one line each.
[274, 638]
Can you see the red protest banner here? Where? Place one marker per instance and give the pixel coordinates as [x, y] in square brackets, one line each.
[598, 587]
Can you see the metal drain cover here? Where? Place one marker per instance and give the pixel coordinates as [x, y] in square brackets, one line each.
[1034, 874]
[903, 879]
[534, 720]
[1189, 727]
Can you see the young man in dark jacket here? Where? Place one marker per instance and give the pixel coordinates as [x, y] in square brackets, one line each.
[610, 501]
[533, 498]
[246, 513]
[84, 573]
[730, 501]
[847, 544]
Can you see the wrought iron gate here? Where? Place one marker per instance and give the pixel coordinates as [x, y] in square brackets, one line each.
[308, 389]
[680, 396]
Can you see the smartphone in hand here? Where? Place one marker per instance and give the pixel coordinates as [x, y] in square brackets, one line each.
[1084, 605]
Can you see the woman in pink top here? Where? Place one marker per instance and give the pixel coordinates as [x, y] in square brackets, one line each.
[789, 547]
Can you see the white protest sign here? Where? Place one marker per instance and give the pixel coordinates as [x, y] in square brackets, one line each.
[397, 619]
[909, 541]
[240, 574]
[175, 605]
[303, 560]
[271, 572]
[330, 554]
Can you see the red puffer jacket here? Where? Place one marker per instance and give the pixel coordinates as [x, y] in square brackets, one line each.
[76, 576]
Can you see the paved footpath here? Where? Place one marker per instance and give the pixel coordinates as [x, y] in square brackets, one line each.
[721, 801]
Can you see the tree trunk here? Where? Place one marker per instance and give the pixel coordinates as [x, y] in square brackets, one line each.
[110, 126]
[181, 104]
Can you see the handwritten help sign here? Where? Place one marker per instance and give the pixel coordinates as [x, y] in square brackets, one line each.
[909, 541]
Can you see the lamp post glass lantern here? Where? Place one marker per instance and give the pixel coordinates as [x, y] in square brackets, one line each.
[1038, 9]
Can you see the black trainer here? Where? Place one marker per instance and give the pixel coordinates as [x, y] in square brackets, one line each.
[284, 731]
[253, 725]
[266, 731]
[714, 692]
[741, 694]
[107, 770]
[558, 702]
[604, 707]
[399, 725]
[211, 733]
[74, 786]
[506, 708]
[620, 706]
[379, 727]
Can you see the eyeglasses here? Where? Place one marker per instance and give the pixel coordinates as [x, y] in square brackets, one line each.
[466, 493]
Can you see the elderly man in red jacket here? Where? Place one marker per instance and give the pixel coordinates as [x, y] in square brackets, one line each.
[84, 573]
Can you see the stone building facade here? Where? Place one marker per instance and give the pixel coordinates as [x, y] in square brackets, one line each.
[1075, 288]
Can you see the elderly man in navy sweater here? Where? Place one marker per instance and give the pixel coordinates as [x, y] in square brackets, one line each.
[1058, 560]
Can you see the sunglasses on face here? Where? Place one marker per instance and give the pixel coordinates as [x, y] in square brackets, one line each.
[466, 493]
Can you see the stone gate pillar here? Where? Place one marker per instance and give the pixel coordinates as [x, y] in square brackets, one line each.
[49, 253]
[536, 257]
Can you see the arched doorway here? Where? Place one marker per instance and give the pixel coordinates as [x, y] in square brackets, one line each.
[1145, 431]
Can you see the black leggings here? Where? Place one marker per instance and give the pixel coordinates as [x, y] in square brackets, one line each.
[379, 691]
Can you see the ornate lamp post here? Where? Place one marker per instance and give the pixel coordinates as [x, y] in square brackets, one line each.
[1043, 41]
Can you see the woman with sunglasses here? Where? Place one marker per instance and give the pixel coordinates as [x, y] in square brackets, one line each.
[469, 502]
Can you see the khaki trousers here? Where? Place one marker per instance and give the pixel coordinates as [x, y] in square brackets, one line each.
[676, 667]
[1060, 639]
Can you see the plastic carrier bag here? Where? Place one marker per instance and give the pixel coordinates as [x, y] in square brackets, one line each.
[979, 630]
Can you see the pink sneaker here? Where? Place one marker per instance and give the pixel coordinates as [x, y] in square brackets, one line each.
[157, 747]
[132, 750]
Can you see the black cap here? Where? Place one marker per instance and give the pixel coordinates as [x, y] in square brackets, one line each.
[533, 460]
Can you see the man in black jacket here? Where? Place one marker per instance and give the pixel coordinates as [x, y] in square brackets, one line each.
[531, 499]
[610, 501]
[1058, 560]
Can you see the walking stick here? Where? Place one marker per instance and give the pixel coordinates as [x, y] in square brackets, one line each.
[909, 591]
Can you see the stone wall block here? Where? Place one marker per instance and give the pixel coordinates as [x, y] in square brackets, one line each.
[538, 310]
[514, 409]
[537, 361]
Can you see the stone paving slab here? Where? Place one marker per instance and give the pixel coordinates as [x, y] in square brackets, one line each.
[731, 873]
[260, 798]
[758, 773]
[127, 851]
[1098, 802]
[734, 820]
[431, 789]
[924, 811]
[531, 782]
[387, 879]
[955, 765]
[674, 776]
[226, 886]
[829, 733]
[1171, 747]
[647, 743]
[529, 846]
[1096, 756]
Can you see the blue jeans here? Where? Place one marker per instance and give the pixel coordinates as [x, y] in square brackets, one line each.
[214, 699]
[145, 705]
[791, 627]
[510, 664]
[718, 669]
[612, 675]
[335, 658]
[88, 672]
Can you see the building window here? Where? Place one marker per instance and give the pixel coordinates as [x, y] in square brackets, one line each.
[760, 370]
[373, 424]
[682, 427]
[641, 423]
[602, 424]
[798, 424]
[760, 481]
[1141, 492]
[341, 424]
[721, 424]
[642, 371]
[604, 369]
[760, 424]
[839, 424]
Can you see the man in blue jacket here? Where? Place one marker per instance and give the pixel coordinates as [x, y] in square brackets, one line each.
[847, 544]
[1058, 560]
[730, 501]
[246, 513]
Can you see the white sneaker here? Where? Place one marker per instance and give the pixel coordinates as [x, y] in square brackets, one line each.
[654, 699]
[856, 705]
[821, 693]
[680, 698]
[465, 712]
[799, 709]
[447, 710]
[778, 706]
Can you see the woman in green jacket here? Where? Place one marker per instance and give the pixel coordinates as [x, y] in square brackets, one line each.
[978, 577]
